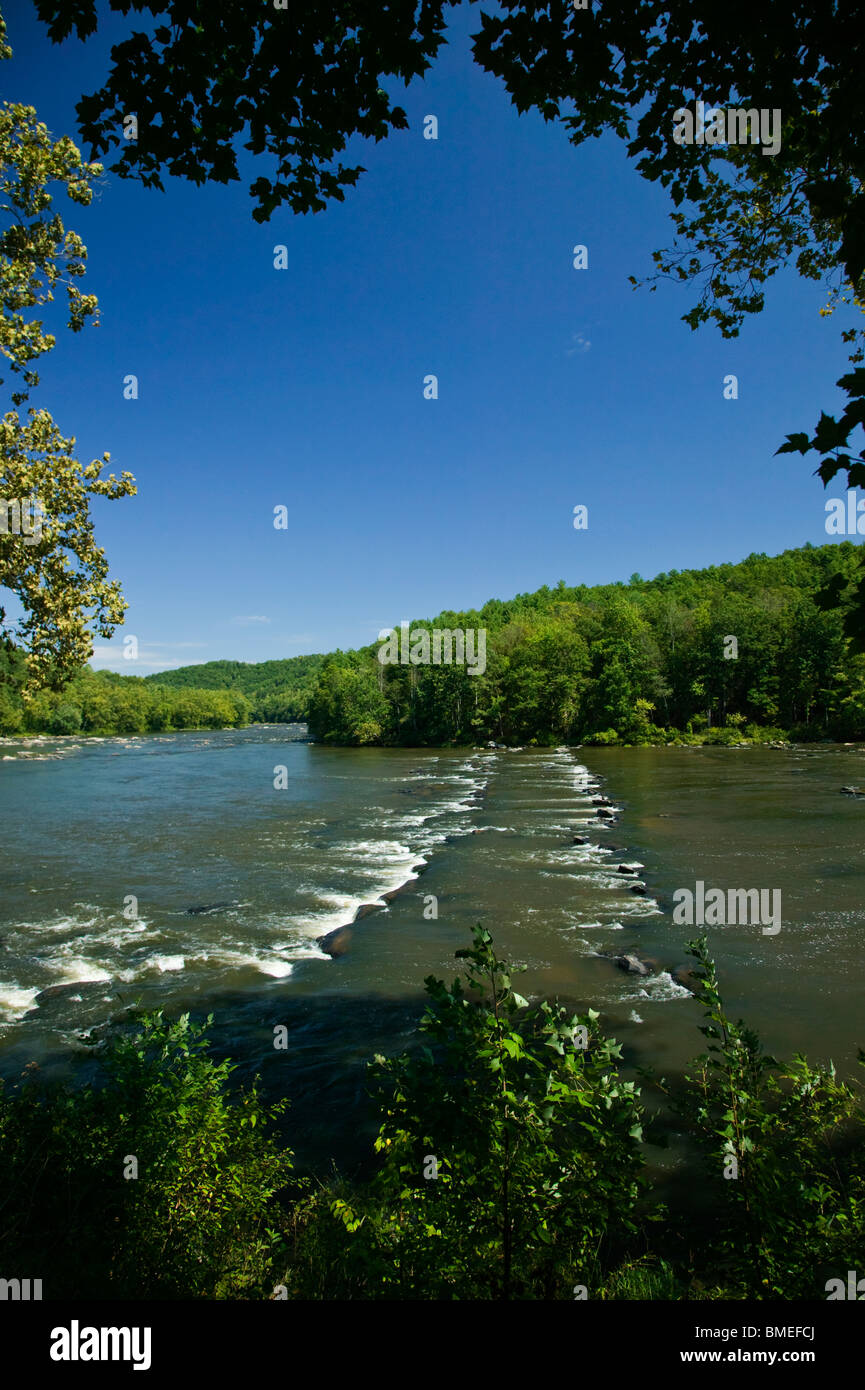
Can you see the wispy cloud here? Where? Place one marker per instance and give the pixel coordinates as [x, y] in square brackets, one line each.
[579, 344]
[245, 621]
[159, 657]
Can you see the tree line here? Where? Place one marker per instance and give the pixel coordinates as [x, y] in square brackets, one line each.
[104, 703]
[731, 652]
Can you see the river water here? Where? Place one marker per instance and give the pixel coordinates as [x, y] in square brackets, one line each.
[199, 871]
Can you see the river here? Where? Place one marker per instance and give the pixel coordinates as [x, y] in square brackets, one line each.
[200, 870]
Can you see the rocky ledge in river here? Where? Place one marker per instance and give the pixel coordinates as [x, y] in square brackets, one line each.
[338, 941]
[58, 997]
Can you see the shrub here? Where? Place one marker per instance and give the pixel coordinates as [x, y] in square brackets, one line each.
[782, 1144]
[197, 1220]
[510, 1145]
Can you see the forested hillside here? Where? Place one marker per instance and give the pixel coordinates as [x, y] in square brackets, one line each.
[629, 663]
[637, 662]
[277, 691]
[216, 695]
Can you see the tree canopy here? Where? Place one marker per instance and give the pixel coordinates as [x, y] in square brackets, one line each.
[278, 691]
[650, 661]
[293, 84]
[301, 80]
[298, 81]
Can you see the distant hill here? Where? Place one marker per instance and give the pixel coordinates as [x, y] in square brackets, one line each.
[752, 651]
[278, 691]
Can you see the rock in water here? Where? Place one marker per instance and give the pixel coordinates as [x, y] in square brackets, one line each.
[336, 942]
[633, 965]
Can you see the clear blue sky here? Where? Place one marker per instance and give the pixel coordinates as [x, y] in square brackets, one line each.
[304, 386]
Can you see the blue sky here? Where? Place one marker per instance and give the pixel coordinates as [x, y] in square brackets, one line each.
[304, 387]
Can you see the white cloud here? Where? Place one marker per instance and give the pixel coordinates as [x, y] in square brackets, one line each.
[160, 657]
[126, 667]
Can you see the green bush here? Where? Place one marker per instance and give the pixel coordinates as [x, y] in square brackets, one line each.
[198, 1220]
[510, 1146]
[782, 1145]
[768, 734]
[721, 737]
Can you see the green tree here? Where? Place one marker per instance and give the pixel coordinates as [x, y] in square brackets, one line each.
[66, 719]
[535, 1138]
[348, 705]
[58, 572]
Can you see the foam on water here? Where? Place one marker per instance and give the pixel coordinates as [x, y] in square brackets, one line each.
[77, 971]
[166, 964]
[15, 1002]
[660, 989]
